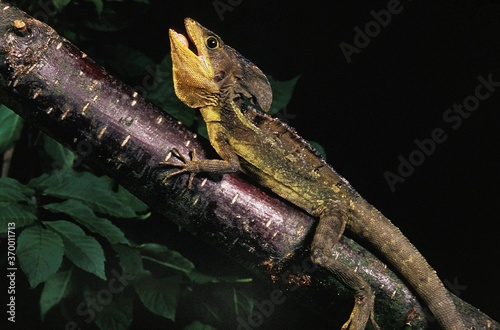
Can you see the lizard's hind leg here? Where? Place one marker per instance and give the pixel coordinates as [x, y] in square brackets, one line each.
[329, 230]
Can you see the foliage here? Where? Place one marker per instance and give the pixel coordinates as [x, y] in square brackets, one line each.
[71, 225]
[11, 125]
[69, 243]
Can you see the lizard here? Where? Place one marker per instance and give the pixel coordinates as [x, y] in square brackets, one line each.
[233, 96]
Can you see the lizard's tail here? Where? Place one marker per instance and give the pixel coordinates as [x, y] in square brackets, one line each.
[400, 252]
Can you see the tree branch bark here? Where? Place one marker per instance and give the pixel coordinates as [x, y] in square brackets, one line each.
[57, 88]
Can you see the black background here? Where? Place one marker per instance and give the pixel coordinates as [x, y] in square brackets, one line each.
[368, 112]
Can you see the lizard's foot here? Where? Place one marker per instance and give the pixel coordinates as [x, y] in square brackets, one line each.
[187, 166]
[363, 309]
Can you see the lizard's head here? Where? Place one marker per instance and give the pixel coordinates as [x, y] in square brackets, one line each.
[215, 72]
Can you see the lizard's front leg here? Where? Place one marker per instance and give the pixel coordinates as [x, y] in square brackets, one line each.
[228, 164]
[328, 232]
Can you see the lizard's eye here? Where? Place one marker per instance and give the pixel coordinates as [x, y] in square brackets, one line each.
[212, 42]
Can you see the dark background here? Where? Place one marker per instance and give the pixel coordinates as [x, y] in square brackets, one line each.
[367, 113]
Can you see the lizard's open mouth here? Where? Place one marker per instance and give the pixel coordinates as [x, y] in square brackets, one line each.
[180, 43]
[183, 40]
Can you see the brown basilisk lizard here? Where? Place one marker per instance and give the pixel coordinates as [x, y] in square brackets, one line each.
[228, 89]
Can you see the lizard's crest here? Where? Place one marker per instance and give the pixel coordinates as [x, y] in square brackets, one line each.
[216, 72]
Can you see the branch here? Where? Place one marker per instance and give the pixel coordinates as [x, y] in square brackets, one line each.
[57, 88]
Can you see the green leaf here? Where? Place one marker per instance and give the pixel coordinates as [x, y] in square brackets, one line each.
[319, 148]
[46, 180]
[160, 296]
[114, 309]
[166, 257]
[200, 278]
[40, 253]
[243, 303]
[11, 195]
[98, 5]
[135, 203]
[20, 215]
[9, 183]
[201, 129]
[83, 186]
[84, 251]
[12, 190]
[11, 126]
[61, 156]
[114, 17]
[209, 312]
[86, 217]
[162, 255]
[161, 91]
[130, 260]
[216, 304]
[55, 289]
[180, 111]
[282, 93]
[60, 4]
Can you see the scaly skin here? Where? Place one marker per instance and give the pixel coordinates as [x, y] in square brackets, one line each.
[222, 83]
